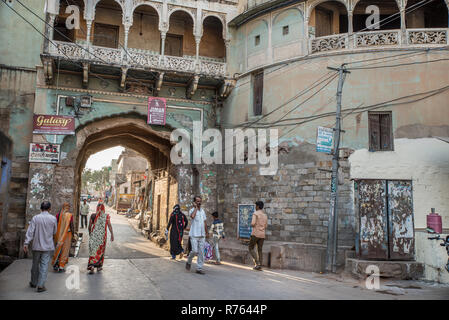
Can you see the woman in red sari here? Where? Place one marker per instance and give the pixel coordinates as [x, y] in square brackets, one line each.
[98, 225]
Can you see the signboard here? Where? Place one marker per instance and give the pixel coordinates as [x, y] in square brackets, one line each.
[44, 152]
[245, 216]
[53, 124]
[157, 108]
[324, 139]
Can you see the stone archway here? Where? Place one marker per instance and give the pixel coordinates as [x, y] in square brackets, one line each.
[61, 182]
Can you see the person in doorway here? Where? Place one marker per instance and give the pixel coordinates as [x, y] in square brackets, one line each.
[178, 222]
[41, 230]
[217, 231]
[259, 223]
[98, 225]
[84, 212]
[198, 232]
[63, 238]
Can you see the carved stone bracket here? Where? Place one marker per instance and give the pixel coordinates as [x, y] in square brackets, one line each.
[192, 86]
[227, 87]
[48, 70]
[159, 82]
[123, 78]
[85, 75]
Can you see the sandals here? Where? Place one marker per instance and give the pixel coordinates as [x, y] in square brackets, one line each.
[91, 270]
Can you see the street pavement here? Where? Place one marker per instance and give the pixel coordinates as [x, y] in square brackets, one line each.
[136, 268]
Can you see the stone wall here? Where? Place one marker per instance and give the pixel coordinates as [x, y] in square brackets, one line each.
[297, 198]
[16, 110]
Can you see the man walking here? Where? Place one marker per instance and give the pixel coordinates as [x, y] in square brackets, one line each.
[259, 223]
[197, 234]
[84, 212]
[41, 230]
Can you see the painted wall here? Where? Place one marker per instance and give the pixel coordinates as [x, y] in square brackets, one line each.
[21, 45]
[425, 161]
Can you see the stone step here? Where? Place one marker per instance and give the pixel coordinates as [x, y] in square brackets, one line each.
[401, 270]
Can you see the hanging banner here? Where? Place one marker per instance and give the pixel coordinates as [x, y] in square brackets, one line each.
[44, 152]
[52, 124]
[157, 108]
[324, 139]
[245, 217]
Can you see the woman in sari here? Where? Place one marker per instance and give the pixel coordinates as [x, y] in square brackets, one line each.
[98, 225]
[63, 238]
[178, 222]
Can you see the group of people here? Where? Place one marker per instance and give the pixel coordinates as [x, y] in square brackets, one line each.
[198, 234]
[51, 238]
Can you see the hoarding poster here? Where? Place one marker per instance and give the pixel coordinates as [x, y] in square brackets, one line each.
[53, 124]
[157, 109]
[245, 216]
[324, 139]
[44, 152]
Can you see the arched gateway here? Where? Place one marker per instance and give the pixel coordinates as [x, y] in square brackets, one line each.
[61, 182]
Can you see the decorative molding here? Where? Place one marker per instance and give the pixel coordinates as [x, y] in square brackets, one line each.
[118, 94]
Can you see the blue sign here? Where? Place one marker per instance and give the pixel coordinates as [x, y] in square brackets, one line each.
[324, 139]
[244, 220]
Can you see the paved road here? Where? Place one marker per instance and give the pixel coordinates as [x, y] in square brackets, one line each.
[135, 268]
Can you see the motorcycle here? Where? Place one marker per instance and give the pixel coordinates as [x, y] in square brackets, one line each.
[445, 243]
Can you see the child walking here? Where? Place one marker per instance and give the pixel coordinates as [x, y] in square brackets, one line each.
[217, 230]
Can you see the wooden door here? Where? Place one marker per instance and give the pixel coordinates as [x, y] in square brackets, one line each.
[373, 220]
[106, 35]
[400, 215]
[173, 45]
[323, 21]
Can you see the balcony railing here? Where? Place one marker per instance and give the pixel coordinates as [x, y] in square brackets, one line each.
[329, 43]
[427, 36]
[136, 58]
[371, 39]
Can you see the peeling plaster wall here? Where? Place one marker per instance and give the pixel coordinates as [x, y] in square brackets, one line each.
[425, 161]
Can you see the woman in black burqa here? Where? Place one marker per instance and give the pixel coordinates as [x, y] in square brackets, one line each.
[178, 222]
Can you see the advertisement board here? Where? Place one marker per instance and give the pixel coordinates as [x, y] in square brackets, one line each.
[157, 108]
[53, 124]
[245, 215]
[44, 152]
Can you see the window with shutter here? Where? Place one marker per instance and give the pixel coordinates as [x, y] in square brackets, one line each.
[380, 131]
[258, 93]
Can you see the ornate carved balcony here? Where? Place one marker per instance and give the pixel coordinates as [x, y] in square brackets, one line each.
[385, 38]
[138, 59]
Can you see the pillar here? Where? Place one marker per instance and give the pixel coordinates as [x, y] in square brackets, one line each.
[125, 44]
[197, 56]
[88, 35]
[350, 30]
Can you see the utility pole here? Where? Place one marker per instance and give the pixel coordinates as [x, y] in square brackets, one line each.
[332, 234]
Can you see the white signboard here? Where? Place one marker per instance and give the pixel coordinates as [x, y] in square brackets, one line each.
[324, 139]
[44, 152]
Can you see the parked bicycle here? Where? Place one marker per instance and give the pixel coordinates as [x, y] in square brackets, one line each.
[445, 243]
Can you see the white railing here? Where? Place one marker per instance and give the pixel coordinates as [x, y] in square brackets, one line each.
[427, 36]
[136, 58]
[377, 38]
[329, 43]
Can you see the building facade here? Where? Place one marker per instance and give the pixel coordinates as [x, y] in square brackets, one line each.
[246, 64]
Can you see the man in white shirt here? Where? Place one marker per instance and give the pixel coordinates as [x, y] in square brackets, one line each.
[41, 230]
[197, 234]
